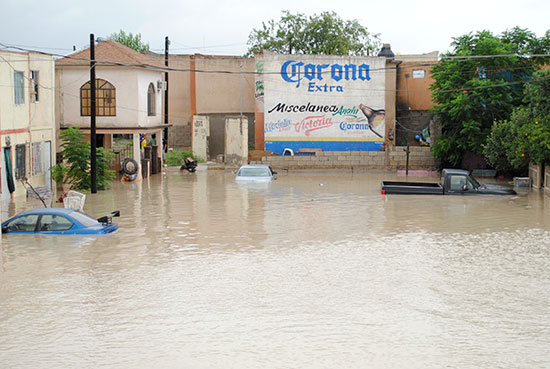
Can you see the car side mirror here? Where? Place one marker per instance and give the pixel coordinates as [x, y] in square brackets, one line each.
[465, 188]
[4, 229]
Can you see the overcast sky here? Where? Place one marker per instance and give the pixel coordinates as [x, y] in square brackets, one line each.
[222, 27]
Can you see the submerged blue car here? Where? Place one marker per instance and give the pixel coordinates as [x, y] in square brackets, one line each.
[59, 221]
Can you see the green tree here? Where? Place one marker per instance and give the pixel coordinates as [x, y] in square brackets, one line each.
[478, 83]
[499, 148]
[325, 34]
[130, 40]
[75, 169]
[525, 137]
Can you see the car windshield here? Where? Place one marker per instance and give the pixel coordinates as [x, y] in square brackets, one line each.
[84, 219]
[254, 172]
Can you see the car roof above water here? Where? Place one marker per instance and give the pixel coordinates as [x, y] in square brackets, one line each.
[249, 166]
[455, 171]
[65, 211]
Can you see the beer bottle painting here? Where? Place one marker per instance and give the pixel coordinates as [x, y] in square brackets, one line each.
[375, 118]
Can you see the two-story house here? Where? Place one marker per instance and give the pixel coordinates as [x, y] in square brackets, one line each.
[27, 121]
[129, 94]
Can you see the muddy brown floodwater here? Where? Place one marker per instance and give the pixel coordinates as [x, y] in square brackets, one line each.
[315, 270]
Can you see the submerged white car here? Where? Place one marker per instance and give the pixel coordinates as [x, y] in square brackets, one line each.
[255, 173]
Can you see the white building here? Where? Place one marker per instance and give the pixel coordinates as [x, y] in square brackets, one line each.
[27, 121]
[129, 94]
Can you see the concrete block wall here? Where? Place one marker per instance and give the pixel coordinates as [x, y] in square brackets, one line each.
[394, 158]
[420, 157]
[179, 137]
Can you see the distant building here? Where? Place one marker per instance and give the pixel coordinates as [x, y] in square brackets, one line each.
[414, 97]
[219, 87]
[213, 90]
[27, 120]
[129, 94]
[215, 87]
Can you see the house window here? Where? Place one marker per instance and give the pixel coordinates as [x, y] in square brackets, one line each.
[37, 158]
[20, 161]
[19, 87]
[34, 92]
[105, 99]
[151, 100]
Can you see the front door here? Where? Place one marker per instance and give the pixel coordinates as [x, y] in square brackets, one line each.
[8, 186]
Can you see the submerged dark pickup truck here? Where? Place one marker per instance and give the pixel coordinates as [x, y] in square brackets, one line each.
[453, 182]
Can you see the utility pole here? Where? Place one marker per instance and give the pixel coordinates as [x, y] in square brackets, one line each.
[93, 157]
[166, 44]
[241, 89]
[407, 151]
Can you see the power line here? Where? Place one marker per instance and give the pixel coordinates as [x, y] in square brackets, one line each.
[466, 57]
[266, 73]
[43, 47]
[285, 57]
[362, 91]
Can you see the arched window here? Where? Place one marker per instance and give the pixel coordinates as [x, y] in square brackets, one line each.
[151, 100]
[105, 99]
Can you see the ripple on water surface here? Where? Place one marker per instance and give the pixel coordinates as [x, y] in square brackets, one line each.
[316, 270]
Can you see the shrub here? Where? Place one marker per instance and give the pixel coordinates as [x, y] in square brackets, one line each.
[75, 168]
[176, 157]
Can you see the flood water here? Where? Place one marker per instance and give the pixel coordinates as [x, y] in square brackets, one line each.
[316, 270]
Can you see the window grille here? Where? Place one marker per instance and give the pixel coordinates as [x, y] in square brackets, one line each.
[105, 99]
[20, 159]
[37, 162]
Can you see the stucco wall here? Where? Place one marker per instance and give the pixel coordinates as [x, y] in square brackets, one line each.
[17, 116]
[391, 78]
[30, 122]
[144, 78]
[413, 91]
[179, 94]
[217, 133]
[202, 86]
[236, 141]
[131, 96]
[221, 92]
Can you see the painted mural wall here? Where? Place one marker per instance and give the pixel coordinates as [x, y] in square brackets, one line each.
[334, 103]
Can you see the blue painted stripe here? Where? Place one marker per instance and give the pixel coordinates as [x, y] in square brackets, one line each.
[279, 146]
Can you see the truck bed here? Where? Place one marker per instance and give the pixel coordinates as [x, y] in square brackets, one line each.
[419, 188]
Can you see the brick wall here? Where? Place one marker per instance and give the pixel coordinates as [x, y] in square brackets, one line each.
[393, 158]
